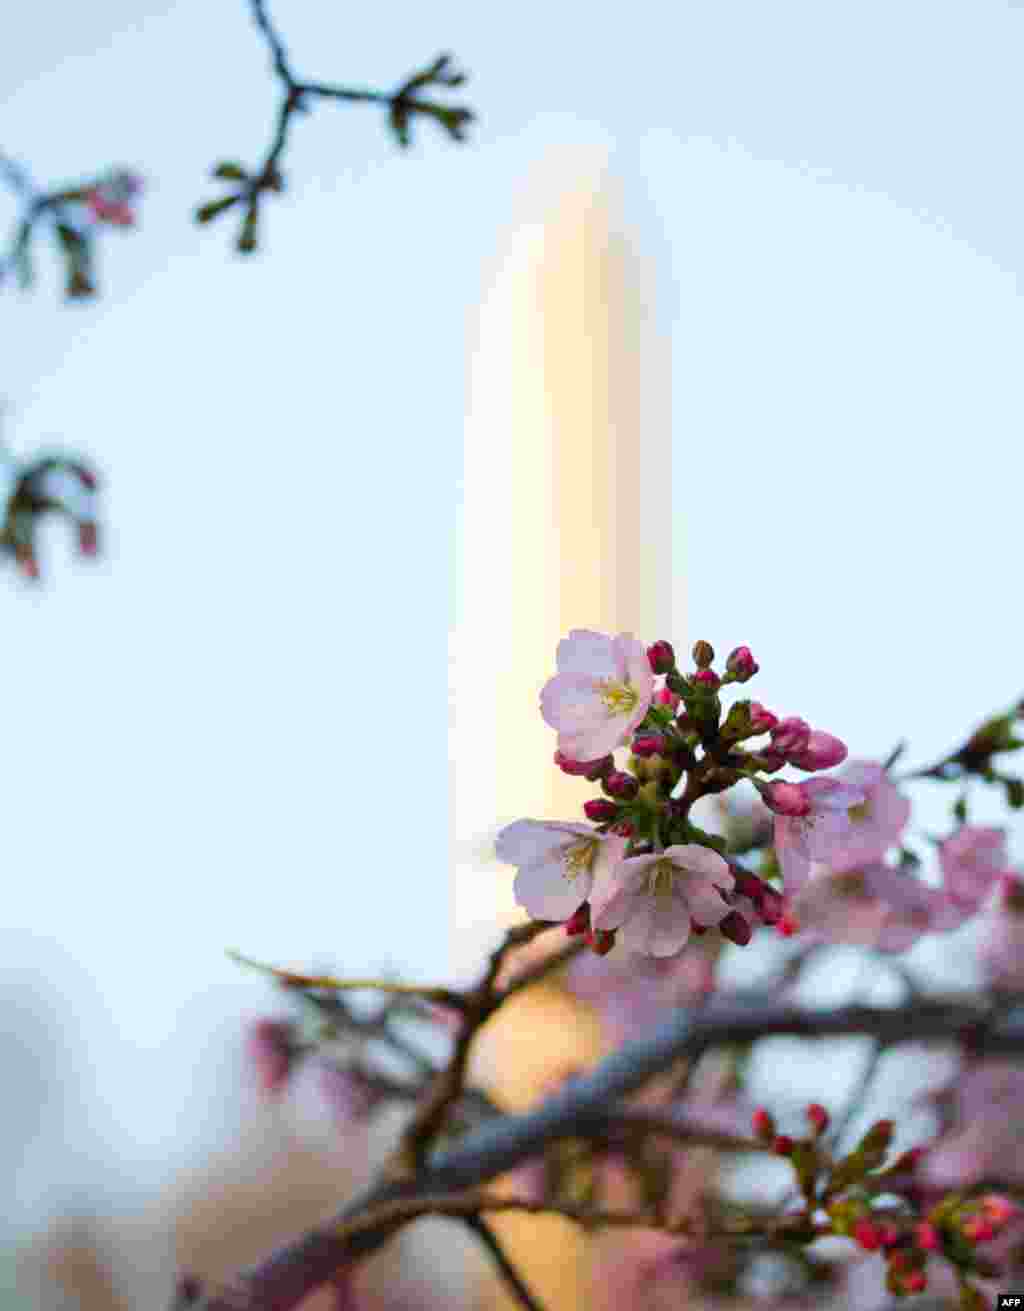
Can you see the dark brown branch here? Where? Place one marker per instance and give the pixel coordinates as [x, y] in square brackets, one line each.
[479, 1226]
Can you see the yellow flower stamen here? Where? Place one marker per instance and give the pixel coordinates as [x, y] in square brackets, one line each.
[858, 814]
[660, 878]
[620, 698]
[579, 858]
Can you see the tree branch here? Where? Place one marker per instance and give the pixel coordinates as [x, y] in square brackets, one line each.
[286, 1277]
[485, 1232]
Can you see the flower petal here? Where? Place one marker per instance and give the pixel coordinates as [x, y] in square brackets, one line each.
[546, 893]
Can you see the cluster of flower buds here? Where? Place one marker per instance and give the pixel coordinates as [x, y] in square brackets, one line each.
[49, 485]
[646, 875]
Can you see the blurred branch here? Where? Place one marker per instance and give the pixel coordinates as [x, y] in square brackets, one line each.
[403, 105]
[285, 1278]
[479, 1226]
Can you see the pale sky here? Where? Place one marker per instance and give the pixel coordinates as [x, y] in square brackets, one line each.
[204, 730]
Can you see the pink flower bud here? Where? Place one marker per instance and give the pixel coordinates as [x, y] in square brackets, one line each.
[927, 1237]
[822, 752]
[699, 929]
[600, 810]
[579, 921]
[707, 680]
[888, 1235]
[762, 1124]
[783, 1145]
[865, 1233]
[735, 928]
[591, 770]
[188, 1288]
[741, 664]
[88, 537]
[661, 657]
[977, 1229]
[785, 799]
[761, 720]
[624, 829]
[791, 735]
[916, 1282]
[818, 1117]
[648, 744]
[271, 1048]
[770, 761]
[909, 1160]
[620, 785]
[788, 924]
[1000, 1210]
[665, 697]
[772, 906]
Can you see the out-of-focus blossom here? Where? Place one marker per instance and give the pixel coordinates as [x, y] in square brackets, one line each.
[602, 691]
[1002, 947]
[876, 823]
[652, 898]
[986, 1139]
[559, 863]
[880, 907]
[632, 992]
[349, 1093]
[816, 835]
[271, 1047]
[971, 861]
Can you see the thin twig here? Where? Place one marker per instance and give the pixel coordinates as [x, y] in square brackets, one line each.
[506, 1268]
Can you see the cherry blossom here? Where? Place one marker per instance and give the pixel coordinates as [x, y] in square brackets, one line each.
[601, 693]
[877, 906]
[814, 836]
[631, 992]
[559, 863]
[876, 823]
[985, 1140]
[652, 898]
[971, 861]
[1002, 947]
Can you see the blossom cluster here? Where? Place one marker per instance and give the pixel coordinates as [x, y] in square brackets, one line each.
[642, 877]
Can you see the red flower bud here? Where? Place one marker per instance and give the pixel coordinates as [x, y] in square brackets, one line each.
[600, 810]
[761, 720]
[620, 785]
[591, 770]
[916, 1282]
[977, 1229]
[88, 537]
[783, 1145]
[661, 657]
[666, 697]
[927, 1237]
[818, 1117]
[888, 1235]
[741, 664]
[736, 928]
[707, 680]
[648, 744]
[788, 924]
[762, 1124]
[624, 829]
[703, 655]
[579, 921]
[865, 1233]
[697, 928]
[785, 799]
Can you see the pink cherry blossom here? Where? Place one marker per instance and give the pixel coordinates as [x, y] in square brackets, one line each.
[985, 1138]
[1002, 947]
[802, 839]
[558, 863]
[972, 860]
[652, 898]
[348, 1092]
[272, 1046]
[602, 691]
[876, 823]
[791, 735]
[878, 907]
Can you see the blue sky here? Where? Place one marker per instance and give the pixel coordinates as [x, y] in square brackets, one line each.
[200, 724]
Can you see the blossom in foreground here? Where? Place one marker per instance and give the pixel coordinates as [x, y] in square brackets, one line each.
[801, 839]
[971, 862]
[601, 693]
[652, 898]
[559, 863]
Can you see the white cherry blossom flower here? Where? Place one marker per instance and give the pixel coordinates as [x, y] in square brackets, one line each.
[602, 691]
[652, 898]
[559, 863]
